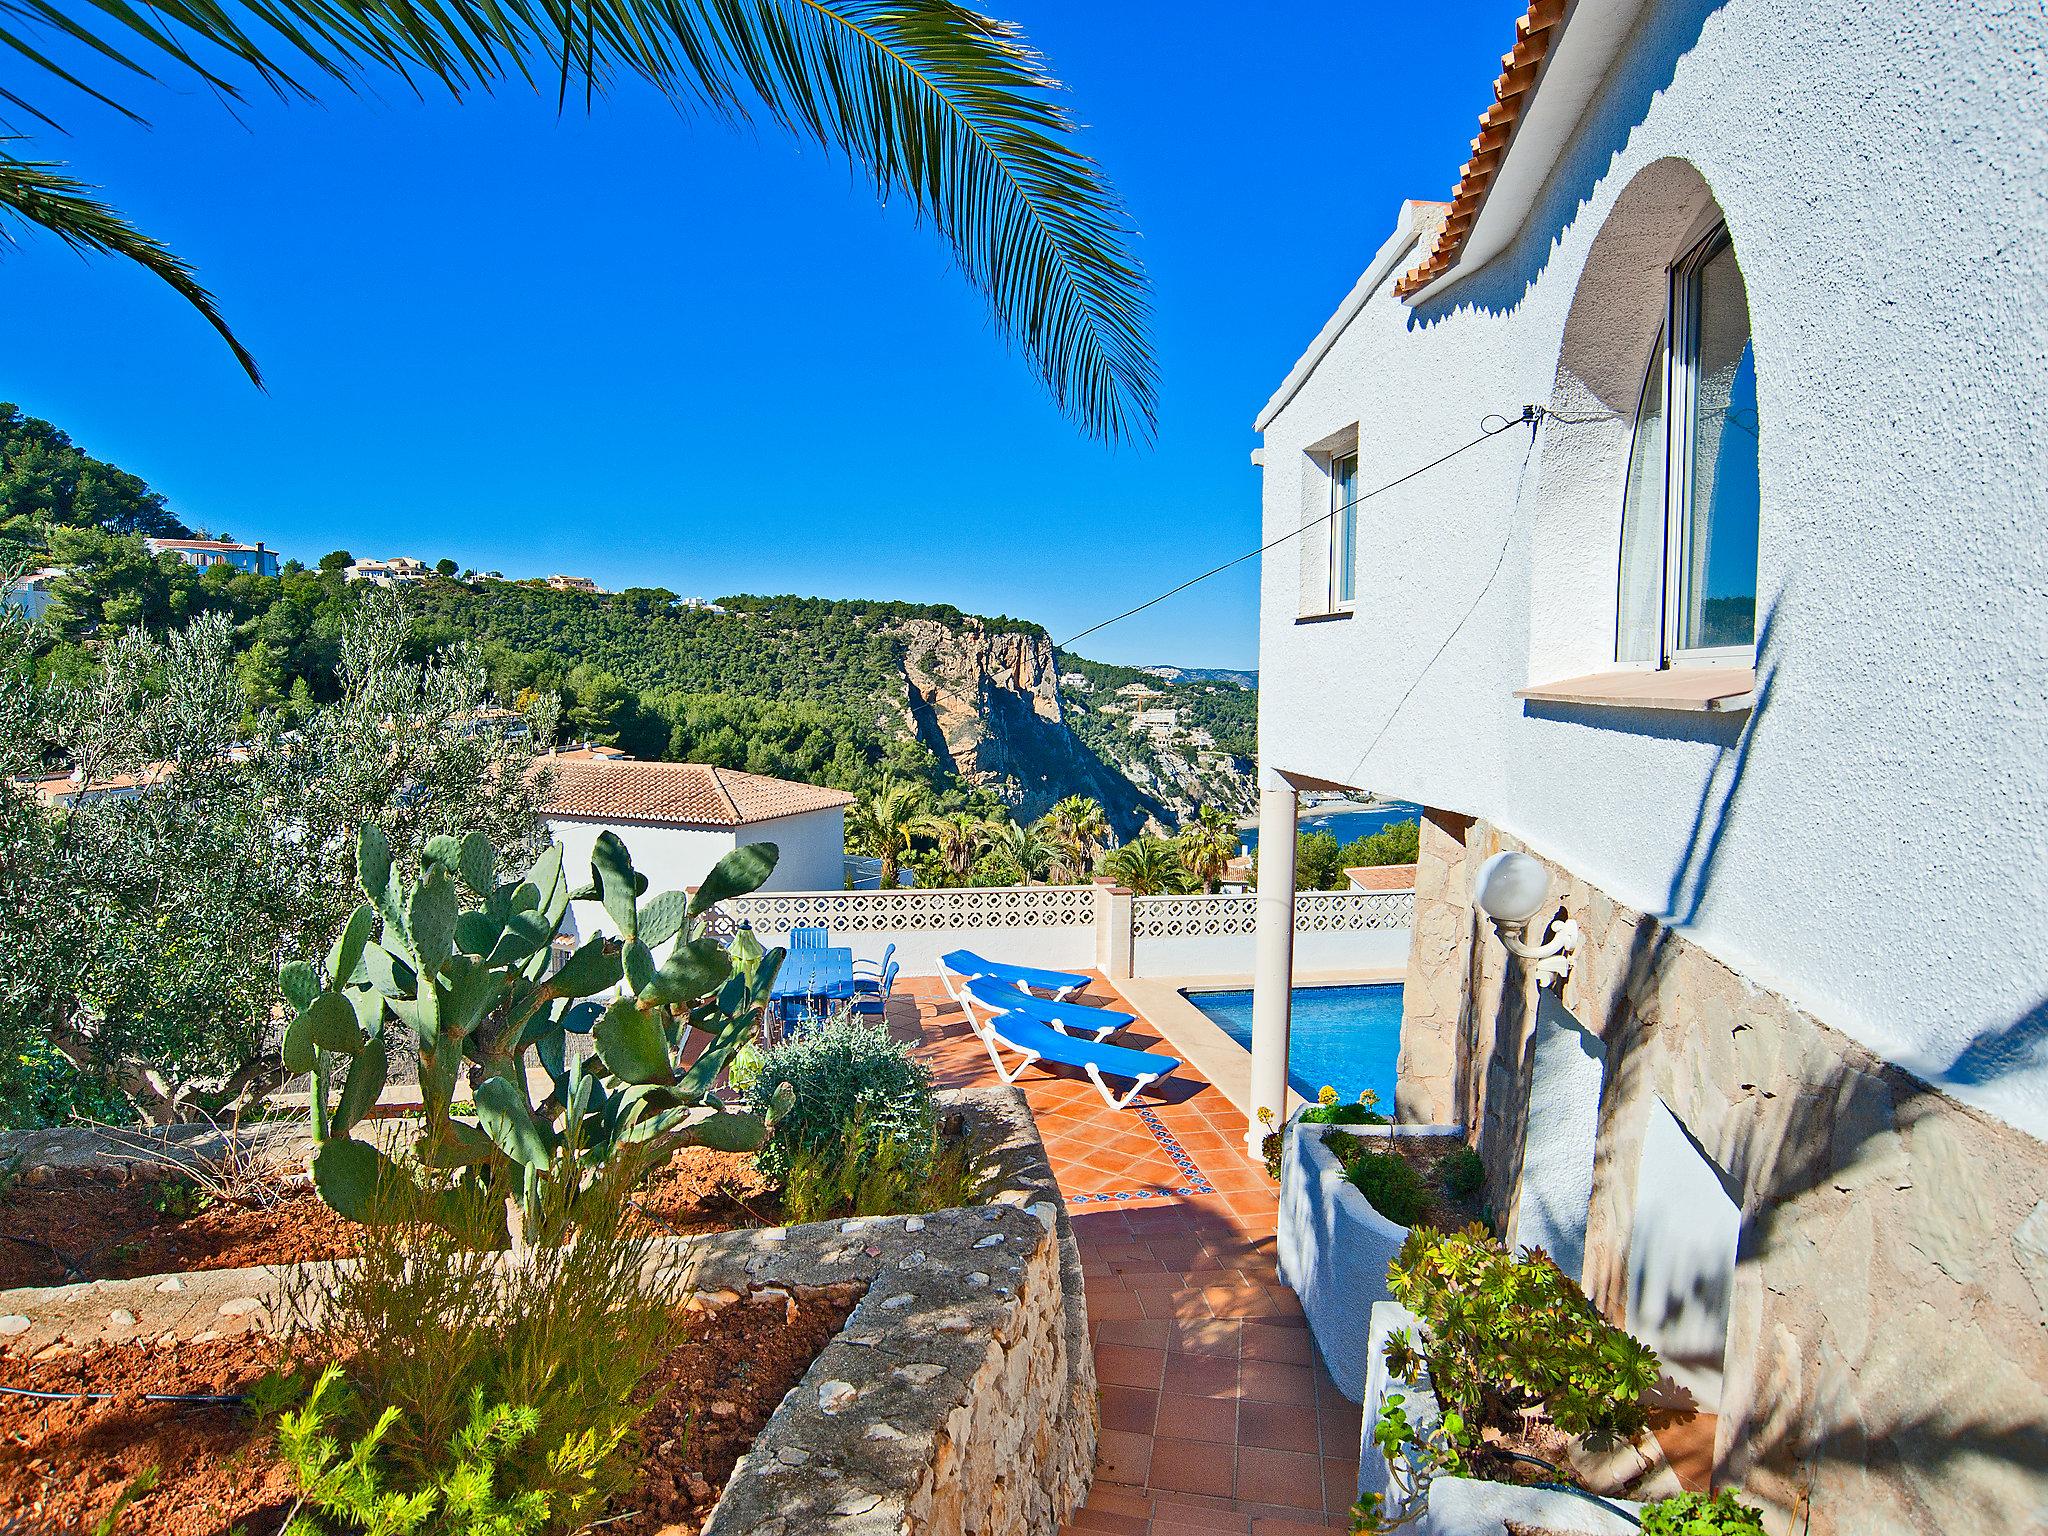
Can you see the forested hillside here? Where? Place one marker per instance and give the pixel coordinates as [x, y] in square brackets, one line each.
[845, 693]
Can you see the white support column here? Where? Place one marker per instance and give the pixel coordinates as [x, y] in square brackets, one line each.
[1273, 961]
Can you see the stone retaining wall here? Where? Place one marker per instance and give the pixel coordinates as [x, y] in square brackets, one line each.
[959, 1398]
[1887, 1317]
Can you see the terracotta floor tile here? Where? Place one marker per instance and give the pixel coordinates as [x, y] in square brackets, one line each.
[1120, 1501]
[1178, 1515]
[1292, 1478]
[1131, 1408]
[1108, 1523]
[1272, 1382]
[1140, 1333]
[1209, 1419]
[1123, 1457]
[1206, 1336]
[1201, 1375]
[1107, 1305]
[1288, 1346]
[1192, 1466]
[1279, 1426]
[1121, 1365]
[1340, 1483]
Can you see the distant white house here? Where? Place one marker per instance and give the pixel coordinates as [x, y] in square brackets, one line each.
[398, 571]
[574, 584]
[1735, 626]
[679, 819]
[253, 558]
[698, 605]
[32, 591]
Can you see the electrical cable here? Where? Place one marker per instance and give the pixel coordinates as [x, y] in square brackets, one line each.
[108, 1397]
[1530, 415]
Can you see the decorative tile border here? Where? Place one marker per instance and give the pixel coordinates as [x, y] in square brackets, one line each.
[1196, 1185]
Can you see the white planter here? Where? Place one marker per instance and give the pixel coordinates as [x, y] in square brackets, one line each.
[1334, 1248]
[1466, 1506]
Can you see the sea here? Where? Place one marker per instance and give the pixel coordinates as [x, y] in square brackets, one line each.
[1346, 820]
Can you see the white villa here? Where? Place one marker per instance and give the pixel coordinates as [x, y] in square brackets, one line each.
[1742, 632]
[679, 819]
[256, 559]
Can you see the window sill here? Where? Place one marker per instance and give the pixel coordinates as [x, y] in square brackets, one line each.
[1323, 618]
[1695, 690]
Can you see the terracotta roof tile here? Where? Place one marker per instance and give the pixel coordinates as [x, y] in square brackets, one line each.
[1383, 877]
[1534, 34]
[692, 794]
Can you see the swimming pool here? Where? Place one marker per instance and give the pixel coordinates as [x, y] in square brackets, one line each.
[1347, 1037]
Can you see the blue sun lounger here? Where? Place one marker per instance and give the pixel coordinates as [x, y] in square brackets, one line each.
[999, 1024]
[1076, 1019]
[967, 965]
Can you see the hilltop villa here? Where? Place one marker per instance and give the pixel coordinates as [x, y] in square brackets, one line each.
[1736, 624]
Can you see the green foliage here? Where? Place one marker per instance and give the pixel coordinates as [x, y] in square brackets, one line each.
[139, 1486]
[1320, 860]
[178, 1199]
[1328, 1111]
[1702, 1514]
[461, 964]
[1464, 1173]
[1414, 1460]
[1384, 1178]
[1507, 1332]
[891, 1179]
[1149, 866]
[520, 1416]
[1398, 842]
[855, 1091]
[45, 478]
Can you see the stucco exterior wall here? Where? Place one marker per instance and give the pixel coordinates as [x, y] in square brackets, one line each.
[1868, 843]
[810, 853]
[1887, 1314]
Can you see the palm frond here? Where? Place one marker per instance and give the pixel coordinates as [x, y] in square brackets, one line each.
[38, 193]
[939, 104]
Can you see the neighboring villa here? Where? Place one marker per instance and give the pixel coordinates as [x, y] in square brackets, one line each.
[32, 591]
[253, 558]
[574, 584]
[678, 819]
[399, 571]
[1743, 639]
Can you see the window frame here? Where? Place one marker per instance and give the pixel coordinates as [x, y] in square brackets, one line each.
[1678, 358]
[1341, 512]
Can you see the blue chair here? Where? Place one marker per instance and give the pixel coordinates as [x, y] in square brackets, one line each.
[876, 1002]
[809, 938]
[999, 1024]
[969, 966]
[868, 974]
[1068, 1018]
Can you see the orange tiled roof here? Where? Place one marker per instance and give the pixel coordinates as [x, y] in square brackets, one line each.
[694, 794]
[1383, 877]
[1534, 34]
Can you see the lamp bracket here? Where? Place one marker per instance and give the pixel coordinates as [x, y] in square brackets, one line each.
[1550, 961]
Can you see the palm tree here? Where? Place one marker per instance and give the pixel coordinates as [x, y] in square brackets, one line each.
[1077, 828]
[886, 821]
[1023, 852]
[948, 109]
[1208, 843]
[1148, 866]
[960, 835]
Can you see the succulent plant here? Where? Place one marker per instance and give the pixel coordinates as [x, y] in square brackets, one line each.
[461, 963]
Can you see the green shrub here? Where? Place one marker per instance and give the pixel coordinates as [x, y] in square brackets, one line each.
[1464, 1173]
[855, 1091]
[1389, 1184]
[1327, 1111]
[1507, 1332]
[823, 1184]
[528, 1366]
[1701, 1514]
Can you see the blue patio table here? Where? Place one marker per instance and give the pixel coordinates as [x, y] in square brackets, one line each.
[819, 974]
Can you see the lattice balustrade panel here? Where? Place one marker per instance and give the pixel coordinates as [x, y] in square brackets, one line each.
[913, 911]
[1175, 917]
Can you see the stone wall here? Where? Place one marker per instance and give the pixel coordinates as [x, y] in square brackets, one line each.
[1888, 1314]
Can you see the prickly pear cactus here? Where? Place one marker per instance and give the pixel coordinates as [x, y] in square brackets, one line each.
[461, 965]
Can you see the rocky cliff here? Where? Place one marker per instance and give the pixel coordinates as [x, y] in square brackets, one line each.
[987, 702]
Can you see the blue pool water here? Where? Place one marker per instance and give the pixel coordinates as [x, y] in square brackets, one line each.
[1347, 1037]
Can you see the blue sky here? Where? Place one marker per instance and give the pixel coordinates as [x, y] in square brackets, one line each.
[656, 351]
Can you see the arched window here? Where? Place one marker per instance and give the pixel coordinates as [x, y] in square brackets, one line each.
[1689, 513]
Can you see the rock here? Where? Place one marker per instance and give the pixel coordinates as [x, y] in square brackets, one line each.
[836, 1396]
[1047, 1213]
[14, 1323]
[990, 1241]
[976, 1278]
[121, 1317]
[169, 1284]
[918, 1375]
[880, 1431]
[914, 1224]
[724, 1410]
[2030, 1248]
[241, 1306]
[901, 1300]
[793, 1456]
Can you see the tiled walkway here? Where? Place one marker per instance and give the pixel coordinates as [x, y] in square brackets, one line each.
[1216, 1415]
